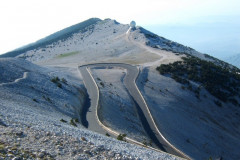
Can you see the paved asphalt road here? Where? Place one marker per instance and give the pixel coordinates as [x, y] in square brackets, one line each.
[143, 111]
[93, 94]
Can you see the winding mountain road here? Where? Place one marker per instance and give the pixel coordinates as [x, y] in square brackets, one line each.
[94, 123]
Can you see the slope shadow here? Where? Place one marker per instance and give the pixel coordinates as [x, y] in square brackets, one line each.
[147, 128]
[86, 106]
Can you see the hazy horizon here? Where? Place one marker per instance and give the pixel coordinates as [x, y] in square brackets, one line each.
[216, 36]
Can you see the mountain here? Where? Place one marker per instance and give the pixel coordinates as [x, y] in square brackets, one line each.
[60, 35]
[81, 37]
[193, 98]
[234, 60]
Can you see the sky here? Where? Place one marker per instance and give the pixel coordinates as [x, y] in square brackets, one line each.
[219, 38]
[26, 21]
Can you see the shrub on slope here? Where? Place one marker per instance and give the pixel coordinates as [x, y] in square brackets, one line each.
[221, 82]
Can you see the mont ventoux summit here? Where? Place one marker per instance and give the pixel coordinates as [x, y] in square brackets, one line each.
[104, 90]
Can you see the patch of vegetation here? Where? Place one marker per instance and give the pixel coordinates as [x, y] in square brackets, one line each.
[233, 101]
[145, 143]
[107, 134]
[67, 54]
[223, 82]
[47, 99]
[59, 85]
[56, 80]
[64, 121]
[64, 80]
[76, 120]
[73, 123]
[218, 103]
[121, 137]
[35, 100]
[150, 35]
[102, 84]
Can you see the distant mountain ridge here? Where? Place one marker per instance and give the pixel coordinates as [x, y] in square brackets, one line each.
[234, 60]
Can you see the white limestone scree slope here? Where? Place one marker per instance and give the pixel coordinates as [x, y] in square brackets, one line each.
[36, 115]
[198, 128]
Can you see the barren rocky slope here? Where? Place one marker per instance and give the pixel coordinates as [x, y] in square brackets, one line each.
[40, 117]
[195, 125]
